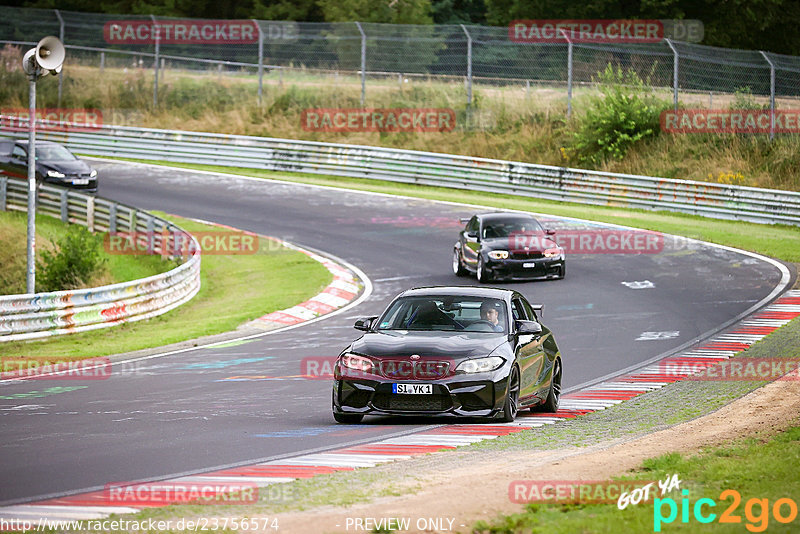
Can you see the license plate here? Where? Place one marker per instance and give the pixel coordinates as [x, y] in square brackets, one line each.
[80, 181]
[412, 389]
[529, 265]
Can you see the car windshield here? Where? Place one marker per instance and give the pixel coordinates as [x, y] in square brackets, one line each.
[53, 153]
[507, 227]
[446, 313]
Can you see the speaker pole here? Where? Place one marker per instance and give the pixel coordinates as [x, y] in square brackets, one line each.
[30, 279]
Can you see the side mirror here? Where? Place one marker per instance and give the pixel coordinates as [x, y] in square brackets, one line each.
[473, 235]
[528, 328]
[550, 231]
[364, 323]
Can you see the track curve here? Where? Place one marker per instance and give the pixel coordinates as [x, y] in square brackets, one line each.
[183, 413]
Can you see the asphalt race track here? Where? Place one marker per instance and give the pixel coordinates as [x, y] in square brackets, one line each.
[183, 413]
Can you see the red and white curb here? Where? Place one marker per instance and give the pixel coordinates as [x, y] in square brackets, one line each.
[598, 397]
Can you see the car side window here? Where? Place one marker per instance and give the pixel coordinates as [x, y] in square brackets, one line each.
[472, 226]
[19, 153]
[518, 310]
[529, 311]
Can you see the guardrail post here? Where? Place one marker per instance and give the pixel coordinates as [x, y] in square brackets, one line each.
[156, 32]
[363, 63]
[3, 192]
[102, 62]
[260, 60]
[771, 95]
[674, 74]
[64, 206]
[112, 217]
[569, 72]
[151, 226]
[469, 65]
[132, 222]
[90, 214]
[60, 36]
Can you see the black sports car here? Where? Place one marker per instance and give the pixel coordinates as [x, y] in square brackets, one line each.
[55, 164]
[463, 351]
[507, 246]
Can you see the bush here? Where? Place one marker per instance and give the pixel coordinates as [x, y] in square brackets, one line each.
[613, 122]
[76, 258]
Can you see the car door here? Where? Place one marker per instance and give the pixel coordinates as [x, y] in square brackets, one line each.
[530, 353]
[470, 243]
[18, 164]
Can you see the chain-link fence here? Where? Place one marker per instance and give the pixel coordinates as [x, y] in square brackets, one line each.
[380, 52]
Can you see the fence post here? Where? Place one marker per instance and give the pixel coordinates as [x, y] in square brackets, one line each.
[469, 65]
[3, 192]
[569, 72]
[674, 74]
[363, 63]
[771, 95]
[112, 217]
[260, 60]
[102, 62]
[60, 36]
[64, 205]
[156, 32]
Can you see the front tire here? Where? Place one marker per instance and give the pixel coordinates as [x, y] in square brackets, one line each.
[458, 267]
[511, 406]
[483, 274]
[550, 404]
[562, 272]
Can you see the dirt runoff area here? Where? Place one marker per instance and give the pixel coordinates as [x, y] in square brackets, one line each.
[455, 493]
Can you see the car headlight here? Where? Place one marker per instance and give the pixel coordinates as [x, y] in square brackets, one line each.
[55, 174]
[356, 362]
[93, 173]
[552, 252]
[480, 365]
[498, 254]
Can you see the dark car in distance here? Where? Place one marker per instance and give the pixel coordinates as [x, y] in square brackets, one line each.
[507, 246]
[55, 164]
[459, 351]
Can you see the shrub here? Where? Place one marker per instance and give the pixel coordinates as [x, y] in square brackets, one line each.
[77, 256]
[624, 114]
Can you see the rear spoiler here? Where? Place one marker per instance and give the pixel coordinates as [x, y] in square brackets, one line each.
[539, 309]
[464, 220]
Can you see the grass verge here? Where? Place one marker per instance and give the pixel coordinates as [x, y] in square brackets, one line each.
[235, 289]
[742, 467]
[778, 241]
[13, 231]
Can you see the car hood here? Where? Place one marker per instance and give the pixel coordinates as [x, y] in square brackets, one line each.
[403, 343]
[534, 243]
[66, 167]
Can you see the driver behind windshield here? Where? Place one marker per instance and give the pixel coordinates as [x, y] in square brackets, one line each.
[491, 314]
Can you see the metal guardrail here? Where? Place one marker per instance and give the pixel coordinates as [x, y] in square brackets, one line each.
[38, 315]
[428, 168]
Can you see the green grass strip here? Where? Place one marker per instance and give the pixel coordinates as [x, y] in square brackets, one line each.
[235, 289]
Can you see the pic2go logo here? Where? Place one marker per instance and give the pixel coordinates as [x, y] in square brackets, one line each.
[756, 511]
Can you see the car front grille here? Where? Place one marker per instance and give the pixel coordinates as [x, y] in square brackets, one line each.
[404, 369]
[526, 255]
[412, 403]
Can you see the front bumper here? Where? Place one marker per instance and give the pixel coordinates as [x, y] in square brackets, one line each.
[90, 186]
[482, 395]
[515, 269]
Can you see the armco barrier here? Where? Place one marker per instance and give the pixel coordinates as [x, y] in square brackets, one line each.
[62, 312]
[429, 168]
